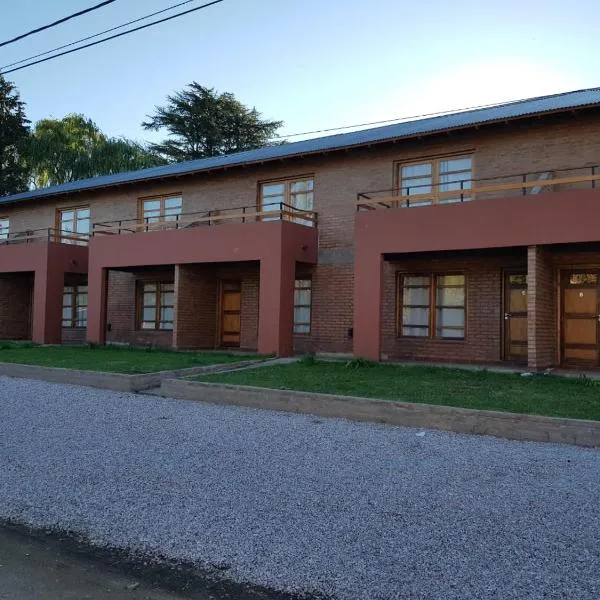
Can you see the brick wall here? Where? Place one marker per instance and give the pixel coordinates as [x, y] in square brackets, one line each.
[15, 306]
[484, 322]
[541, 303]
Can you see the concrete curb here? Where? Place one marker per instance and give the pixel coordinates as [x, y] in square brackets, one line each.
[113, 381]
[461, 420]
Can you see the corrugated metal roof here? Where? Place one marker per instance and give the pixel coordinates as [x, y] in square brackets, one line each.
[407, 129]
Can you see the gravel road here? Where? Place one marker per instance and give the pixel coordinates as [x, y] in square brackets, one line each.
[296, 503]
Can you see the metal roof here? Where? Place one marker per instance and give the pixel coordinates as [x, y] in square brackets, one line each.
[406, 129]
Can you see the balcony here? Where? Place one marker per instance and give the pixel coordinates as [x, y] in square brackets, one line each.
[239, 215]
[546, 207]
[45, 235]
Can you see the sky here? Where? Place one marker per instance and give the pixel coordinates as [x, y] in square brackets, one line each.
[314, 64]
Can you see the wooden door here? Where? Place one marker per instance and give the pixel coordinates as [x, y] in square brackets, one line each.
[231, 313]
[515, 317]
[580, 317]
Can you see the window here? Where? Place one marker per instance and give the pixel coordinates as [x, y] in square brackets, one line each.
[302, 305]
[436, 175]
[155, 210]
[432, 306]
[4, 223]
[156, 305]
[74, 223]
[295, 193]
[74, 310]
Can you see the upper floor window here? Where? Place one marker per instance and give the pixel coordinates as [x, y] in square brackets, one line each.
[285, 196]
[446, 174]
[75, 303]
[432, 306]
[74, 223]
[4, 223]
[165, 208]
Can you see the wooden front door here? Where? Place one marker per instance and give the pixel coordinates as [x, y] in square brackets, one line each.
[231, 313]
[515, 317]
[580, 317]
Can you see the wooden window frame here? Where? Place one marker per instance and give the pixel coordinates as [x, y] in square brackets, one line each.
[435, 161]
[74, 293]
[309, 306]
[433, 306]
[287, 193]
[139, 320]
[162, 198]
[74, 209]
[5, 234]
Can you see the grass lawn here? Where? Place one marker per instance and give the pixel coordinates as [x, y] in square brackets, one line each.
[113, 359]
[539, 394]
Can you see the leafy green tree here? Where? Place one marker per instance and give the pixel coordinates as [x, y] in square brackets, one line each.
[72, 148]
[201, 122]
[14, 130]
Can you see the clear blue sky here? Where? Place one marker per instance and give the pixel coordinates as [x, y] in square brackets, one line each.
[311, 63]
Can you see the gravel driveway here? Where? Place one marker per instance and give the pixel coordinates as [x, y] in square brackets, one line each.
[355, 511]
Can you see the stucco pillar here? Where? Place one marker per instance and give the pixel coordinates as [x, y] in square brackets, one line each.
[276, 305]
[368, 294]
[541, 304]
[97, 298]
[47, 305]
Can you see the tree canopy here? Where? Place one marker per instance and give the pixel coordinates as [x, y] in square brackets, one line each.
[72, 148]
[14, 130]
[202, 122]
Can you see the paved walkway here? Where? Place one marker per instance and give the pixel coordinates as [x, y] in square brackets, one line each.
[355, 511]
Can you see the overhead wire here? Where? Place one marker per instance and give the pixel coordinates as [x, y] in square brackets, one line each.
[95, 35]
[55, 23]
[112, 37]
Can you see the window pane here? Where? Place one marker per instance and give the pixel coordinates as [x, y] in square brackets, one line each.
[149, 299]
[416, 186]
[149, 314]
[149, 325]
[164, 325]
[416, 280]
[302, 297]
[67, 215]
[173, 203]
[301, 328]
[456, 164]
[167, 298]
[415, 331]
[67, 313]
[149, 287]
[273, 189]
[303, 201]
[583, 278]
[416, 296]
[151, 205]
[451, 333]
[302, 314]
[416, 170]
[415, 316]
[4, 229]
[443, 280]
[454, 317]
[305, 185]
[166, 314]
[451, 296]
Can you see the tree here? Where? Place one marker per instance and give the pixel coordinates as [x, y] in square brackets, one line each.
[14, 130]
[72, 148]
[202, 123]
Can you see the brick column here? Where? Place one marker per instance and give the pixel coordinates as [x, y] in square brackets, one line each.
[195, 308]
[541, 303]
[276, 305]
[368, 293]
[97, 298]
[48, 287]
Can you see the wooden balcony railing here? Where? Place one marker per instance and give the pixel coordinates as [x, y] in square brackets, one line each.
[44, 235]
[478, 189]
[272, 212]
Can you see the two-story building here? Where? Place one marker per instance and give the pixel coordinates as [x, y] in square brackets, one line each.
[469, 237]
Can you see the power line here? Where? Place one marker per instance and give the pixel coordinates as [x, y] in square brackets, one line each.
[91, 37]
[112, 37]
[408, 118]
[55, 23]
